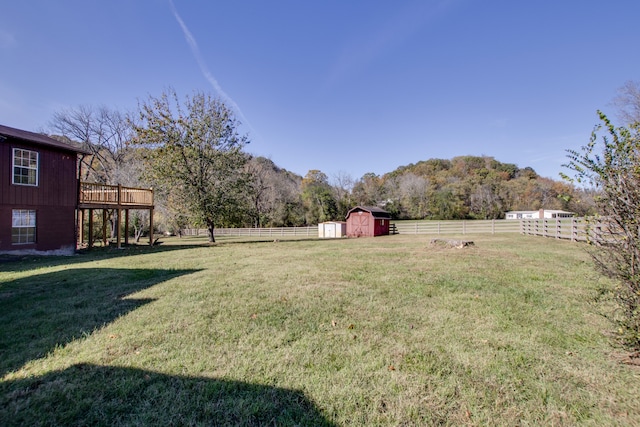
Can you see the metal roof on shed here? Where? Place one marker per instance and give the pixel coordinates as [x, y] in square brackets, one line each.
[375, 211]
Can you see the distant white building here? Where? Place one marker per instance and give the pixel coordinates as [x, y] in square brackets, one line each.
[542, 213]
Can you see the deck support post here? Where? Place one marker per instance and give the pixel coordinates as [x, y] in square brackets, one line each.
[80, 234]
[126, 227]
[118, 199]
[118, 213]
[118, 231]
[104, 227]
[90, 228]
[151, 227]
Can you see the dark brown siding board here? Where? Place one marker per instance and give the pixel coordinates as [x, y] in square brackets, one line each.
[57, 181]
[5, 167]
[56, 228]
[5, 228]
[54, 198]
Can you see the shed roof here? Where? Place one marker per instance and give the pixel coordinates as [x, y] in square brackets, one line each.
[38, 138]
[373, 210]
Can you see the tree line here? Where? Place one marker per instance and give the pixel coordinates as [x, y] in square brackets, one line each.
[190, 151]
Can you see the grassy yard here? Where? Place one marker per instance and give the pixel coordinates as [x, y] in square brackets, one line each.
[384, 331]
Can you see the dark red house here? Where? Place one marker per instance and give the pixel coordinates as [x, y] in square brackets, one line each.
[367, 221]
[38, 193]
[43, 205]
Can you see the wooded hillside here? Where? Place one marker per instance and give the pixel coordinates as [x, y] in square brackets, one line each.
[265, 195]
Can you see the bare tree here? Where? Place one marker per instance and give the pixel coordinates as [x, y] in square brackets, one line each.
[103, 132]
[627, 102]
[342, 185]
[414, 198]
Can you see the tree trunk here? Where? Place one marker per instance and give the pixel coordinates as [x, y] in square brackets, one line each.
[212, 237]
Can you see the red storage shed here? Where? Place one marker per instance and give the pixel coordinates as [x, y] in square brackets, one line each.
[367, 221]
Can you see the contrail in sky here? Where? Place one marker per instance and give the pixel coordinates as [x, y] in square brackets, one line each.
[203, 67]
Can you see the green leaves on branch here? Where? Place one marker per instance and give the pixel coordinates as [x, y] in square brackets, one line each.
[610, 162]
[195, 153]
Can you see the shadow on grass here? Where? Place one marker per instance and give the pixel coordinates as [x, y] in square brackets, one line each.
[28, 262]
[12, 263]
[43, 311]
[100, 395]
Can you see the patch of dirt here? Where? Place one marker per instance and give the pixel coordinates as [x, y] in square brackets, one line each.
[631, 359]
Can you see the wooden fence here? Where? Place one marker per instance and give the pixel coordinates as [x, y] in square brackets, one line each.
[574, 229]
[275, 232]
[595, 231]
[396, 227]
[457, 227]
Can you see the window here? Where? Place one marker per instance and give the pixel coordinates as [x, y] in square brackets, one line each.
[25, 167]
[23, 226]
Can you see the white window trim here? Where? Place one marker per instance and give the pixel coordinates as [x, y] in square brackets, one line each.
[23, 219]
[13, 167]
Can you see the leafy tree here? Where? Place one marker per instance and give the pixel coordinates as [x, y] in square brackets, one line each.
[195, 152]
[613, 168]
[318, 198]
[260, 171]
[367, 191]
[273, 194]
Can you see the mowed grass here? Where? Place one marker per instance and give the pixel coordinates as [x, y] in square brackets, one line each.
[373, 331]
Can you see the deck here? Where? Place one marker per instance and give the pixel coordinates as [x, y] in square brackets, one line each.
[103, 196]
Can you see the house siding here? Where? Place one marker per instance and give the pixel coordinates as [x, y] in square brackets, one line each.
[54, 198]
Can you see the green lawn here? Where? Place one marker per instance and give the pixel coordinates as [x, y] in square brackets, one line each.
[373, 331]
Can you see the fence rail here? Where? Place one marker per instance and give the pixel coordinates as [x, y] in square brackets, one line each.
[457, 227]
[396, 227]
[574, 229]
[310, 231]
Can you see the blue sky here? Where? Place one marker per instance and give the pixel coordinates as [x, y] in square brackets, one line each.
[344, 86]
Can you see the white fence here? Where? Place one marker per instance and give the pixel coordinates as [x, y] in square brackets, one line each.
[397, 227]
[457, 227]
[574, 229]
[310, 231]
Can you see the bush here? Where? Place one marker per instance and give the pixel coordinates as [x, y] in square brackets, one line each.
[615, 174]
